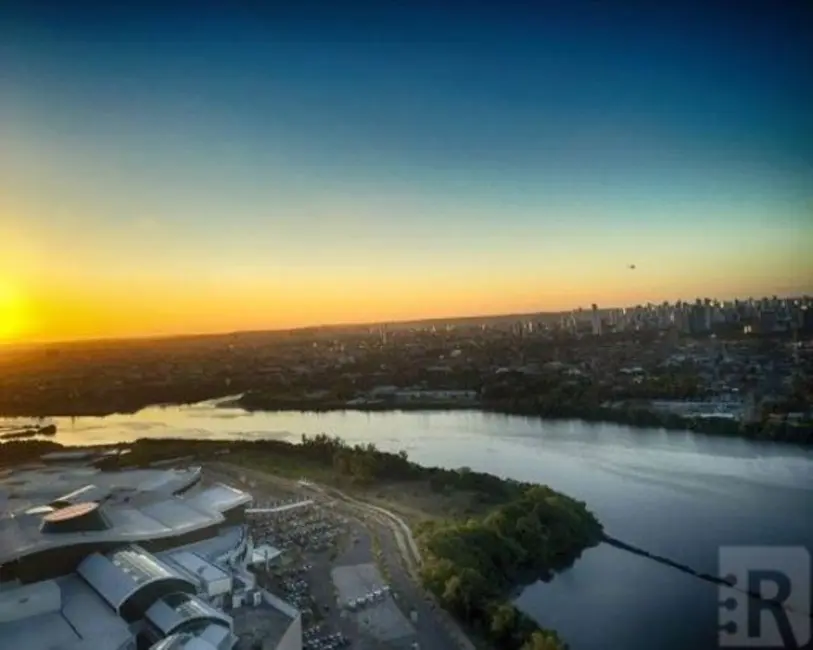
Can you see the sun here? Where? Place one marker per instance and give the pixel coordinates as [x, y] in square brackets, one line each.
[12, 318]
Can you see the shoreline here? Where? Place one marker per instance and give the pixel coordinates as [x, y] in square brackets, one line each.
[800, 435]
[564, 527]
[718, 581]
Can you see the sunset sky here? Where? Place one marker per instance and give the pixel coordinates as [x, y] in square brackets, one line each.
[168, 172]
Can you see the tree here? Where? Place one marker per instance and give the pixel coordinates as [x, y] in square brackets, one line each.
[503, 624]
[543, 641]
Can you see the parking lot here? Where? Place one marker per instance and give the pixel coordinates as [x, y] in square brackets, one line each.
[317, 542]
[326, 535]
[370, 604]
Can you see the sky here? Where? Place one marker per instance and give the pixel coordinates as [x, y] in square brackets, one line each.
[240, 167]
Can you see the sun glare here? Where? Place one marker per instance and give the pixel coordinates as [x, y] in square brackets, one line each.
[11, 312]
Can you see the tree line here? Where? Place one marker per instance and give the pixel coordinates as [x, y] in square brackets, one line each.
[471, 565]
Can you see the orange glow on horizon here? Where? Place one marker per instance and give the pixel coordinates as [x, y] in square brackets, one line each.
[12, 313]
[122, 309]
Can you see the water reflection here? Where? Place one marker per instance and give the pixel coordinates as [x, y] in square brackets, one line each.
[674, 493]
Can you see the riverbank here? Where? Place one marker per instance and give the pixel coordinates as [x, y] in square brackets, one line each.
[633, 415]
[469, 508]
[676, 494]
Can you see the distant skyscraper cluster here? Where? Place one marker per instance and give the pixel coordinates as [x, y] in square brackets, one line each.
[704, 315]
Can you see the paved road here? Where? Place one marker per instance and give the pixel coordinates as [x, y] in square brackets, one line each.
[439, 623]
[432, 634]
[436, 630]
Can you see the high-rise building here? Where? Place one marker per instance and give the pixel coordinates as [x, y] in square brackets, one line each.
[596, 321]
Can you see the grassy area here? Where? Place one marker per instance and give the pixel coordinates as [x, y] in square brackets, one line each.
[283, 466]
[481, 535]
[378, 557]
[414, 500]
[417, 502]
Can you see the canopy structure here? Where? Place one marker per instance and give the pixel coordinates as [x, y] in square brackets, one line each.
[130, 580]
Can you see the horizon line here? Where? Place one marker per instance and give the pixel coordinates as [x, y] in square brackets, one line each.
[21, 345]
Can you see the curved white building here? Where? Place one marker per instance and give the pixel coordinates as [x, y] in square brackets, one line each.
[95, 560]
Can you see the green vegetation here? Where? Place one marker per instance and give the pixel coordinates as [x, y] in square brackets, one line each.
[18, 452]
[571, 401]
[581, 399]
[471, 565]
[518, 533]
[640, 415]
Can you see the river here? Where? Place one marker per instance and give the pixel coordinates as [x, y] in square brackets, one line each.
[676, 494]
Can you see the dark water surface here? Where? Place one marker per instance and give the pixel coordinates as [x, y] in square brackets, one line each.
[676, 494]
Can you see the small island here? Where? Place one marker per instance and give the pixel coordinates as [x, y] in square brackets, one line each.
[481, 537]
[47, 430]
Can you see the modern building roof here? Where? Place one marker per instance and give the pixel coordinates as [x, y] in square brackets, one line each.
[219, 497]
[141, 516]
[264, 553]
[79, 520]
[76, 518]
[85, 493]
[175, 612]
[184, 641]
[279, 509]
[119, 576]
[214, 548]
[196, 567]
[66, 614]
[34, 486]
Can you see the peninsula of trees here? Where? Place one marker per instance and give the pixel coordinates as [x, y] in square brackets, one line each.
[481, 536]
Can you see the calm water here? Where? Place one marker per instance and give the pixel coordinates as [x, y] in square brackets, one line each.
[676, 494]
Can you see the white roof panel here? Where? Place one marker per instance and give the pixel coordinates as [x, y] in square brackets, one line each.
[175, 513]
[120, 574]
[43, 632]
[89, 615]
[214, 547]
[219, 497]
[84, 622]
[215, 634]
[183, 642]
[197, 566]
[29, 600]
[170, 612]
[264, 553]
[85, 493]
[106, 578]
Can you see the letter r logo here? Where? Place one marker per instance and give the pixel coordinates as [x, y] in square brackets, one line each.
[768, 604]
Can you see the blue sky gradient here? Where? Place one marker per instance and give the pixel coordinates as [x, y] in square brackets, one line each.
[429, 150]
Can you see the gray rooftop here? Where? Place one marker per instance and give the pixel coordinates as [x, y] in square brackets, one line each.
[141, 514]
[27, 487]
[120, 574]
[183, 642]
[69, 616]
[171, 612]
[194, 565]
[214, 548]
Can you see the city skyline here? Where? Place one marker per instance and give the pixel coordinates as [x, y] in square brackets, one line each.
[584, 310]
[248, 170]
